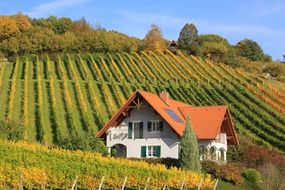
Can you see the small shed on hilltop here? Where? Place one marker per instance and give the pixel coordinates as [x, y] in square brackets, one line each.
[173, 46]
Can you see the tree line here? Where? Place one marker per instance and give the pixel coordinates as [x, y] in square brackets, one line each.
[246, 54]
[20, 34]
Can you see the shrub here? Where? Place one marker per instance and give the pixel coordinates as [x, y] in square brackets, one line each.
[168, 162]
[230, 172]
[86, 143]
[11, 130]
[252, 175]
[234, 153]
[254, 156]
[272, 177]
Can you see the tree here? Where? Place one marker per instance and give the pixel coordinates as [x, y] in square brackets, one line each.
[8, 27]
[213, 46]
[189, 151]
[81, 27]
[214, 50]
[275, 69]
[251, 50]
[188, 38]
[23, 22]
[154, 39]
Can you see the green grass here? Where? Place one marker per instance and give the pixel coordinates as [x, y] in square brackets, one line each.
[222, 185]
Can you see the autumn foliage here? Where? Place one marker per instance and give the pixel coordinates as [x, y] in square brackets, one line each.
[30, 165]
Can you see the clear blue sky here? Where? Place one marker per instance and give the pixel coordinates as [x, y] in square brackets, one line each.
[260, 20]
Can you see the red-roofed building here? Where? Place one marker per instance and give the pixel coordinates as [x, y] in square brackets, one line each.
[150, 125]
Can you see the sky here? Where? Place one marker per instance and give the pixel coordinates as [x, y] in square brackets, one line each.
[260, 20]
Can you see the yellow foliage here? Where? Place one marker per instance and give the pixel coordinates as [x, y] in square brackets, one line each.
[114, 169]
[34, 177]
[154, 39]
[8, 27]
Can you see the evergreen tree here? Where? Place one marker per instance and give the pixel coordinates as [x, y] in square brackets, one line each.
[188, 38]
[154, 39]
[189, 152]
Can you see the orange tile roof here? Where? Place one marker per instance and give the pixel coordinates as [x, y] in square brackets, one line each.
[159, 105]
[205, 120]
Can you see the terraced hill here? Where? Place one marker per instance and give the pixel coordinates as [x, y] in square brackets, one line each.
[72, 95]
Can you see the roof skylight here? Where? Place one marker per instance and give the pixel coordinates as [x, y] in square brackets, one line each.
[173, 115]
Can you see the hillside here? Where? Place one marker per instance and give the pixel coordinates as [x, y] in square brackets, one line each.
[31, 166]
[74, 95]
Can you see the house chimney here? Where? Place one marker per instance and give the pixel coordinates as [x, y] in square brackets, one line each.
[164, 96]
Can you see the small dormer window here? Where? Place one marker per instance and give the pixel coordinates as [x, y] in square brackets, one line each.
[155, 126]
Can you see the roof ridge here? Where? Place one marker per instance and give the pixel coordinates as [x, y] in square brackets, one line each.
[206, 106]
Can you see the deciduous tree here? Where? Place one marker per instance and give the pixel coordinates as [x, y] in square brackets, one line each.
[8, 27]
[251, 50]
[213, 46]
[154, 39]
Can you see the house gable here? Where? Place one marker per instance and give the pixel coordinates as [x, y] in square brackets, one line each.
[146, 114]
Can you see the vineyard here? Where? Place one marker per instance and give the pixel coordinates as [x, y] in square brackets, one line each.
[74, 95]
[30, 166]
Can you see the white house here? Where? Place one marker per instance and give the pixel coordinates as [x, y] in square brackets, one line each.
[150, 125]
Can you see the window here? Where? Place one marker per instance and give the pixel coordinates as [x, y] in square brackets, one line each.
[153, 151]
[135, 130]
[150, 151]
[173, 115]
[138, 130]
[155, 126]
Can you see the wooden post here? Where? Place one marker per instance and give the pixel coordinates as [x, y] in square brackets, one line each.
[165, 187]
[147, 183]
[21, 182]
[182, 185]
[200, 184]
[101, 183]
[216, 184]
[74, 183]
[125, 181]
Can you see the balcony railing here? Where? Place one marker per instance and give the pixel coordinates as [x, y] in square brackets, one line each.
[124, 135]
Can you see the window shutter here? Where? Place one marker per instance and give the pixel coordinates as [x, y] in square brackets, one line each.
[130, 130]
[158, 151]
[149, 126]
[143, 151]
[161, 125]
